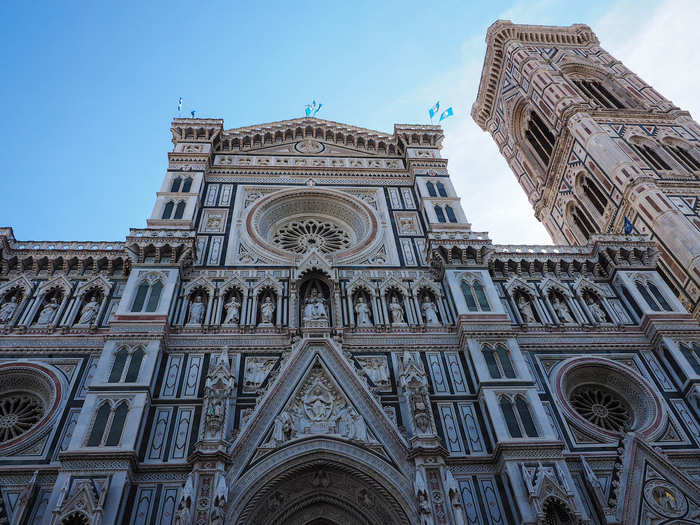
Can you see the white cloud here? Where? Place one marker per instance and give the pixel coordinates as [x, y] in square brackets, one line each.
[656, 43]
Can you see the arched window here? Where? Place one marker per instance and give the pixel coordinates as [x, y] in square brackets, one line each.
[511, 419]
[644, 291]
[441, 189]
[176, 184]
[652, 158]
[583, 223]
[168, 210]
[594, 195]
[683, 156]
[188, 185]
[659, 296]
[599, 93]
[179, 210]
[540, 138]
[450, 214]
[498, 362]
[108, 425]
[440, 214]
[132, 373]
[525, 416]
[148, 294]
[474, 296]
[692, 355]
[431, 189]
[120, 358]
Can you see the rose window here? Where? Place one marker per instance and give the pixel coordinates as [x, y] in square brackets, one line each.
[301, 235]
[602, 407]
[19, 413]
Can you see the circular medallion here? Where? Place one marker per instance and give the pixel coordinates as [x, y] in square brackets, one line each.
[309, 147]
[665, 499]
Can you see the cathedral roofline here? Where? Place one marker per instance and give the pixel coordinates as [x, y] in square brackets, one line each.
[497, 37]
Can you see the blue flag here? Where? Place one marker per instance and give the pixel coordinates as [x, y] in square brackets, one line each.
[433, 111]
[192, 113]
[179, 105]
[447, 113]
[629, 227]
[312, 109]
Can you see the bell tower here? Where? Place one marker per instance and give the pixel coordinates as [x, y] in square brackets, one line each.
[592, 144]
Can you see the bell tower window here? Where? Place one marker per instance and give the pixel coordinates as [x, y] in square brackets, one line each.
[683, 156]
[582, 223]
[651, 157]
[540, 138]
[597, 92]
[439, 214]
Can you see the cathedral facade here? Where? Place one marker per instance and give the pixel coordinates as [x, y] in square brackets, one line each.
[309, 331]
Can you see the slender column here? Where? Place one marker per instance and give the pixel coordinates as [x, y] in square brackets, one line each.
[351, 309]
[218, 319]
[183, 312]
[572, 306]
[548, 305]
[243, 320]
[589, 314]
[31, 310]
[609, 310]
[254, 312]
[374, 300]
[72, 310]
[439, 301]
[387, 319]
[338, 309]
[419, 320]
[210, 305]
[514, 307]
[62, 307]
[101, 311]
[409, 314]
[278, 316]
[20, 310]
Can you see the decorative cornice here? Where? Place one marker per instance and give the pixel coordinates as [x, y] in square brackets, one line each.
[499, 35]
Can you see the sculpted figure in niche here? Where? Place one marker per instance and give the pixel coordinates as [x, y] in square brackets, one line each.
[359, 426]
[89, 313]
[233, 310]
[314, 306]
[196, 311]
[525, 307]
[596, 310]
[429, 311]
[376, 369]
[396, 311]
[8, 310]
[283, 429]
[561, 309]
[267, 310]
[47, 312]
[256, 371]
[362, 311]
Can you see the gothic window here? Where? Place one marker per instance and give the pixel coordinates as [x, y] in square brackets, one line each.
[176, 185]
[148, 295]
[518, 419]
[179, 210]
[647, 297]
[168, 210]
[540, 138]
[441, 189]
[594, 195]
[498, 362]
[659, 296]
[450, 214]
[651, 156]
[431, 189]
[583, 223]
[440, 214]
[118, 367]
[132, 372]
[525, 416]
[632, 302]
[187, 186]
[108, 425]
[475, 296]
[692, 355]
[653, 296]
[557, 514]
[597, 92]
[683, 156]
[121, 358]
[511, 419]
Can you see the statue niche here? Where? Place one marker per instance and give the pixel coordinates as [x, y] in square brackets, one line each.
[363, 310]
[267, 305]
[92, 300]
[561, 308]
[9, 305]
[232, 307]
[198, 307]
[315, 303]
[429, 308]
[527, 310]
[49, 307]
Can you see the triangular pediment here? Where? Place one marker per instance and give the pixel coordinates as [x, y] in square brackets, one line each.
[318, 394]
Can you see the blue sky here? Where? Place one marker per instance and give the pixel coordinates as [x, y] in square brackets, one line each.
[89, 90]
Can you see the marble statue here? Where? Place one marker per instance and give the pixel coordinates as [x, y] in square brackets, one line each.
[376, 369]
[362, 311]
[454, 494]
[525, 307]
[89, 313]
[314, 307]
[283, 428]
[184, 507]
[47, 312]
[196, 311]
[561, 310]
[267, 309]
[233, 311]
[256, 370]
[596, 310]
[396, 311]
[8, 309]
[359, 427]
[429, 311]
[420, 489]
[218, 510]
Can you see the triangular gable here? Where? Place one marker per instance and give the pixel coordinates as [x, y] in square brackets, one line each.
[294, 373]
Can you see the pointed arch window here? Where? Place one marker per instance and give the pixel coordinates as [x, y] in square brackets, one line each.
[692, 355]
[439, 214]
[441, 189]
[652, 158]
[450, 214]
[518, 419]
[108, 426]
[187, 186]
[653, 296]
[498, 362]
[127, 364]
[525, 416]
[431, 189]
[475, 296]
[511, 419]
[176, 185]
[594, 195]
[647, 296]
[115, 376]
[168, 210]
[683, 156]
[540, 138]
[179, 210]
[149, 295]
[659, 297]
[596, 91]
[583, 223]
